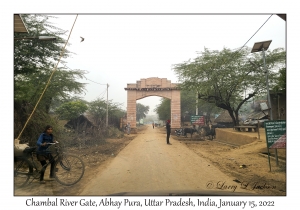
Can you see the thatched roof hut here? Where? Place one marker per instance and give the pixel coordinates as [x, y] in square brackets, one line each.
[83, 123]
[224, 119]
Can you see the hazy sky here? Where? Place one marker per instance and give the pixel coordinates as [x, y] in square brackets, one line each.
[120, 49]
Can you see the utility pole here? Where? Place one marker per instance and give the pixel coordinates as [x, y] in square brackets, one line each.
[267, 81]
[197, 107]
[107, 105]
[197, 103]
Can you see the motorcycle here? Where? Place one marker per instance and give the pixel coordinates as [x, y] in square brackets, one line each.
[179, 132]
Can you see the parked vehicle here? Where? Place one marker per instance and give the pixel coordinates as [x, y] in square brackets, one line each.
[179, 132]
[255, 122]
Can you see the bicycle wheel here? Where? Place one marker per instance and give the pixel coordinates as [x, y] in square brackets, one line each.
[69, 169]
[22, 171]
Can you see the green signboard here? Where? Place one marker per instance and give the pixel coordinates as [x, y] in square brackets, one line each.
[197, 120]
[276, 134]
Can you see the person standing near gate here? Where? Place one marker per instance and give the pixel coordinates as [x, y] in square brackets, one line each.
[128, 128]
[168, 127]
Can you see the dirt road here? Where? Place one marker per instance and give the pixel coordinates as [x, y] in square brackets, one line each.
[148, 164]
[143, 162]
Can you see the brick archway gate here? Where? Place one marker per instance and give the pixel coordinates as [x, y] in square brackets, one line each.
[153, 86]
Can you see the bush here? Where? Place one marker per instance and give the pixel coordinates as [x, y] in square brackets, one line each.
[114, 133]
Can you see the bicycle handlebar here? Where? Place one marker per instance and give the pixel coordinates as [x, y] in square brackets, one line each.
[53, 143]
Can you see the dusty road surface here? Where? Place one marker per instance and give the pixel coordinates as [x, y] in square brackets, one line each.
[148, 164]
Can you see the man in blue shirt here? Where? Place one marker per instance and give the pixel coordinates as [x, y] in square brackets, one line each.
[43, 154]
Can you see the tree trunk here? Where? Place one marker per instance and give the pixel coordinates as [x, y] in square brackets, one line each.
[237, 120]
[232, 117]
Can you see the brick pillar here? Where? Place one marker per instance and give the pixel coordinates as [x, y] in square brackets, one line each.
[131, 109]
[175, 110]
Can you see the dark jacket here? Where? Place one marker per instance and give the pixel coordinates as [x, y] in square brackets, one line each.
[44, 138]
[168, 127]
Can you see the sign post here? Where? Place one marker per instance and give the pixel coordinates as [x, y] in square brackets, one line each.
[197, 120]
[275, 135]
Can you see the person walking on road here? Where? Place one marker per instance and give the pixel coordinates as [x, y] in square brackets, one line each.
[153, 125]
[168, 127]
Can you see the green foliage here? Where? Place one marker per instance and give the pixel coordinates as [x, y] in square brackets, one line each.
[71, 110]
[164, 109]
[113, 132]
[61, 86]
[32, 55]
[34, 61]
[98, 108]
[222, 77]
[188, 102]
[141, 111]
[281, 84]
[35, 126]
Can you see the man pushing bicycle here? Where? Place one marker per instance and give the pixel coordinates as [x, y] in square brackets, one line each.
[43, 142]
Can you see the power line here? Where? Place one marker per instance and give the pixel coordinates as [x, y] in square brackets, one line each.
[102, 94]
[49, 80]
[256, 32]
[249, 38]
[84, 76]
[94, 81]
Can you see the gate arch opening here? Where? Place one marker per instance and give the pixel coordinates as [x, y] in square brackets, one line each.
[153, 86]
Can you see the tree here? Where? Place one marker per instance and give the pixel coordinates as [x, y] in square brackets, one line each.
[187, 106]
[32, 55]
[71, 110]
[141, 111]
[98, 108]
[281, 84]
[164, 109]
[189, 101]
[61, 86]
[34, 61]
[222, 77]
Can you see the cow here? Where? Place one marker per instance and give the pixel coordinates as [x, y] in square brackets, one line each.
[189, 130]
[209, 130]
[206, 130]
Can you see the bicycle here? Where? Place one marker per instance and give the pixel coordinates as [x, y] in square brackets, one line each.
[69, 168]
